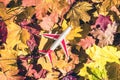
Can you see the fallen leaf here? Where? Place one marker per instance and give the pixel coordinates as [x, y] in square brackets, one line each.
[42, 8]
[64, 68]
[102, 22]
[97, 1]
[115, 9]
[27, 3]
[7, 64]
[103, 55]
[87, 42]
[106, 37]
[75, 32]
[106, 5]
[48, 21]
[14, 31]
[79, 11]
[5, 2]
[25, 35]
[3, 31]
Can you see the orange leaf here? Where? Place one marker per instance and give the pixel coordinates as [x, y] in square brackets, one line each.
[5, 2]
[27, 3]
[49, 21]
[87, 42]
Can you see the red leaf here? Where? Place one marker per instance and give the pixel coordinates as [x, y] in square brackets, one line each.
[3, 31]
[102, 22]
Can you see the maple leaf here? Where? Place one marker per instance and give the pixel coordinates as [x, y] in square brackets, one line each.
[115, 9]
[79, 11]
[103, 55]
[87, 42]
[91, 72]
[61, 7]
[9, 76]
[17, 38]
[31, 70]
[73, 33]
[52, 13]
[97, 1]
[106, 5]
[9, 14]
[25, 35]
[5, 2]
[110, 31]
[96, 69]
[42, 8]
[7, 60]
[3, 31]
[105, 37]
[102, 22]
[70, 1]
[37, 74]
[57, 60]
[27, 3]
[48, 21]
[23, 14]
[33, 29]
[13, 34]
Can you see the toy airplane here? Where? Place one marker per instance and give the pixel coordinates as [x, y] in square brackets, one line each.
[59, 40]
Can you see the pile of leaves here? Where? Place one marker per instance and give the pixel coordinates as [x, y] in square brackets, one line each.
[93, 43]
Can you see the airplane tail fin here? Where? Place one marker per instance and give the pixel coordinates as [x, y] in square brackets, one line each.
[47, 53]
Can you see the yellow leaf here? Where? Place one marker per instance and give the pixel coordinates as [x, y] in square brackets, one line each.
[7, 58]
[43, 41]
[3, 13]
[73, 33]
[64, 68]
[13, 34]
[25, 35]
[91, 72]
[79, 11]
[97, 1]
[9, 14]
[7, 64]
[17, 37]
[103, 55]
[106, 5]
[64, 24]
[22, 49]
[83, 71]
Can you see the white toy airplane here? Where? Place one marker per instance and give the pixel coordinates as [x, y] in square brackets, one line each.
[59, 40]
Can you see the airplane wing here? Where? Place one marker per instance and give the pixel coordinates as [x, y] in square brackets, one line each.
[59, 40]
[52, 36]
[63, 45]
